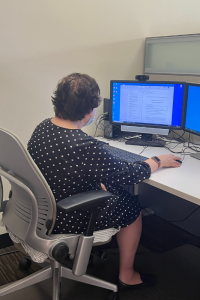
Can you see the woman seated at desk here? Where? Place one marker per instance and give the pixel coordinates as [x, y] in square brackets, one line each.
[73, 162]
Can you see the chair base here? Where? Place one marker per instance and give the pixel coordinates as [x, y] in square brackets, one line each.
[56, 272]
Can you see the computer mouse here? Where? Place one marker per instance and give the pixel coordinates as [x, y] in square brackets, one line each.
[179, 161]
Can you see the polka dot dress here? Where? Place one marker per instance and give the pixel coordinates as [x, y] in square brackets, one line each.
[73, 162]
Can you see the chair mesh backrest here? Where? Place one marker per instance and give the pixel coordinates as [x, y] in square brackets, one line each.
[18, 212]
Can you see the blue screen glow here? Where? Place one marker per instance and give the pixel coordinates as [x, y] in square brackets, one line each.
[192, 121]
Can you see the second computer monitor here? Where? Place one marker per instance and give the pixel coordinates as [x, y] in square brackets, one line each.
[192, 117]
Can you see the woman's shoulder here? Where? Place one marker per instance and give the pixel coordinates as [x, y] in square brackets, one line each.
[43, 124]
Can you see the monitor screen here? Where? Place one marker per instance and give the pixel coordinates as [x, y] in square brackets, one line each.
[192, 118]
[148, 104]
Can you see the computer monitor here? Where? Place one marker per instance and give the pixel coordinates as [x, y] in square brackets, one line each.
[147, 107]
[192, 117]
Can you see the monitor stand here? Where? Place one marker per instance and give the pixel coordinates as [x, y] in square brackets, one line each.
[195, 155]
[145, 140]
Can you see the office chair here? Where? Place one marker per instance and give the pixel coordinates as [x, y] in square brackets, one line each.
[29, 216]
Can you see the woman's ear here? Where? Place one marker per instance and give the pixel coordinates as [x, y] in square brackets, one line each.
[91, 114]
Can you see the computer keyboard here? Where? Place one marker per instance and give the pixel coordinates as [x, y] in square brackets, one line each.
[124, 155]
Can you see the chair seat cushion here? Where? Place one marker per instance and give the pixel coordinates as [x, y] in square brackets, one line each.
[100, 237]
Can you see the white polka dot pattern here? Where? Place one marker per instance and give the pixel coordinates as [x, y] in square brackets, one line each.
[73, 162]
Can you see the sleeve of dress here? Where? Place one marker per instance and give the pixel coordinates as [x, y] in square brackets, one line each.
[100, 165]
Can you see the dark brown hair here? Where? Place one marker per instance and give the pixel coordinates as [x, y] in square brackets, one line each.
[75, 96]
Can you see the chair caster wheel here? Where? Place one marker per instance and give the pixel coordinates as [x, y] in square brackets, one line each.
[25, 263]
[112, 296]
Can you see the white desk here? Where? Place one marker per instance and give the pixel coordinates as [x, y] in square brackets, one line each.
[183, 182]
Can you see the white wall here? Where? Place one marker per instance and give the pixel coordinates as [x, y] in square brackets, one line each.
[32, 28]
[27, 85]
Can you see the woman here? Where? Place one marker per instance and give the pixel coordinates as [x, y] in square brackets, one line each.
[73, 162]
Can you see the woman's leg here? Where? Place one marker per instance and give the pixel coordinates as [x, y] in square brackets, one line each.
[128, 239]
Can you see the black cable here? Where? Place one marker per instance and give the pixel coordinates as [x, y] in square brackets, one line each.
[179, 139]
[98, 123]
[171, 221]
[145, 147]
[171, 142]
[185, 217]
[195, 147]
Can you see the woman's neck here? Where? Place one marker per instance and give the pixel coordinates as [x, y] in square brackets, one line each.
[67, 123]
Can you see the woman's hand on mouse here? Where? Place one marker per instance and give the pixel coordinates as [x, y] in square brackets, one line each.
[166, 161]
[169, 160]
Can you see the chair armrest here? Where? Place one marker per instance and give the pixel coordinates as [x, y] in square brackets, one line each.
[85, 200]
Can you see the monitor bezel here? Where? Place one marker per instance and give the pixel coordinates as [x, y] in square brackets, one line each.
[185, 129]
[181, 127]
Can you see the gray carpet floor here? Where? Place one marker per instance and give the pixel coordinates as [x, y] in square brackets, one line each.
[177, 271]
